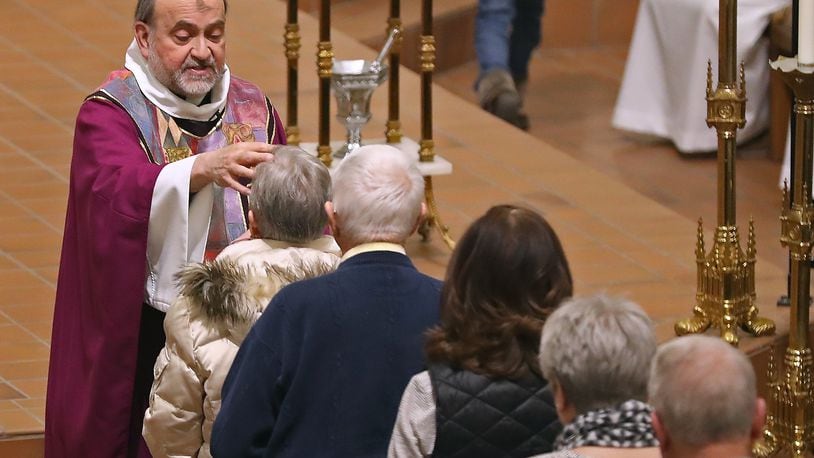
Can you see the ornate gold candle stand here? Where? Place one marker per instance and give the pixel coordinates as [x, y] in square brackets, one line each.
[428, 162]
[790, 418]
[725, 295]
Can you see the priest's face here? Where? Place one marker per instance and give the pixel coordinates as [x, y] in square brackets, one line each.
[185, 44]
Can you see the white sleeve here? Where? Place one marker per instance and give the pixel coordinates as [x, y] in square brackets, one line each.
[414, 431]
[177, 230]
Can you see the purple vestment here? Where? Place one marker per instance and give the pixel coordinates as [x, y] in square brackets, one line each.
[90, 410]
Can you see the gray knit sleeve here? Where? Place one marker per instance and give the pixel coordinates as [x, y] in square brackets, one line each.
[414, 431]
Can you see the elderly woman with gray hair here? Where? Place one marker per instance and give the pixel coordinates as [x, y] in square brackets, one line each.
[222, 299]
[596, 353]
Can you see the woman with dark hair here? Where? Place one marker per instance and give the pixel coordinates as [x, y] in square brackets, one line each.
[484, 394]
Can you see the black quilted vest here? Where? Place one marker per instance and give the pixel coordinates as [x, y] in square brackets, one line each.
[480, 417]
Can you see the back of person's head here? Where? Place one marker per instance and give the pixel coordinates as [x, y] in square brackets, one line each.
[508, 272]
[378, 195]
[598, 351]
[145, 9]
[703, 391]
[288, 196]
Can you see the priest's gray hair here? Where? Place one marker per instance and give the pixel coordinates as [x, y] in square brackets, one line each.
[145, 8]
[288, 196]
[703, 390]
[378, 192]
[598, 350]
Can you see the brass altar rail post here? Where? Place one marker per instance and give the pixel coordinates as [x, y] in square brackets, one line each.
[325, 57]
[790, 419]
[426, 146]
[427, 53]
[393, 126]
[292, 54]
[725, 296]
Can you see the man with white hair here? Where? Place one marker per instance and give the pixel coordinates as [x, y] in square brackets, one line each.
[322, 371]
[704, 398]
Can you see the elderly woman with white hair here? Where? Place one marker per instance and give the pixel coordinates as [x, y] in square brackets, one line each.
[596, 353]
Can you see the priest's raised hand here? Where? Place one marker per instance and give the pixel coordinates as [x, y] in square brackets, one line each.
[228, 165]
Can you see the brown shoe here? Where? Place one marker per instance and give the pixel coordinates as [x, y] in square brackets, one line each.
[498, 95]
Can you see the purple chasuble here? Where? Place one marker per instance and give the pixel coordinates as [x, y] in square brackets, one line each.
[98, 313]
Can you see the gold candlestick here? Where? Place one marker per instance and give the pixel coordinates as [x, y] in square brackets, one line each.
[725, 295]
[790, 417]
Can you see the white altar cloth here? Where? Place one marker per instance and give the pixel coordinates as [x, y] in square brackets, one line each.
[664, 85]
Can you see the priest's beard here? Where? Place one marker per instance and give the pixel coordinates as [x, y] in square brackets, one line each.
[184, 83]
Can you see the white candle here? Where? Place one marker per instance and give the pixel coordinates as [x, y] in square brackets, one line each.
[805, 32]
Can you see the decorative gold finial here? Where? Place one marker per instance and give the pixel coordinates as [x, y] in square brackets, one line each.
[292, 135]
[425, 151]
[325, 58]
[427, 50]
[324, 154]
[292, 42]
[393, 131]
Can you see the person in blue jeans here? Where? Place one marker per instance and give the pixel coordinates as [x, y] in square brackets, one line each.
[506, 32]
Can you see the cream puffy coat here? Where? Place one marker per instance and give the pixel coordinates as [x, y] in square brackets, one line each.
[219, 303]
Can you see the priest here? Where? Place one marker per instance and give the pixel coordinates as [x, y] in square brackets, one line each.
[163, 154]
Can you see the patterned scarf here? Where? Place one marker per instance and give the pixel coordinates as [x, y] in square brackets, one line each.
[627, 425]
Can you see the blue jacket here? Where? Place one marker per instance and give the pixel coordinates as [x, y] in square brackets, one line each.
[322, 372]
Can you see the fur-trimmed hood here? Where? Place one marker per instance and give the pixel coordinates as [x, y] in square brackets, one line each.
[232, 291]
[219, 303]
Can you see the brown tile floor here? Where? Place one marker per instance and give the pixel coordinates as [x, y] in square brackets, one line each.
[625, 209]
[570, 101]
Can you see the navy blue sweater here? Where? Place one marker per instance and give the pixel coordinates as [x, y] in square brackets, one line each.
[322, 372]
